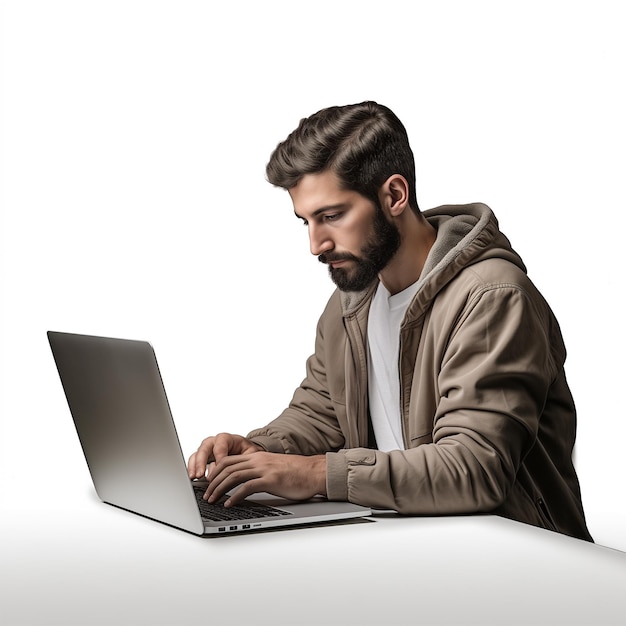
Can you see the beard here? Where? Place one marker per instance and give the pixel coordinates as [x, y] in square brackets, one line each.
[378, 250]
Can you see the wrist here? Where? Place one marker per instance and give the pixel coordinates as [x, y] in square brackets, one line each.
[319, 471]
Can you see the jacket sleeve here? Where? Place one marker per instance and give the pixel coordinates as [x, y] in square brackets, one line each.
[492, 386]
[309, 425]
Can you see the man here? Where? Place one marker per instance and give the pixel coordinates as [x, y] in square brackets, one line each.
[437, 382]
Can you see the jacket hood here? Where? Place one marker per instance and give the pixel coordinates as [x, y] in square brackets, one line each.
[466, 234]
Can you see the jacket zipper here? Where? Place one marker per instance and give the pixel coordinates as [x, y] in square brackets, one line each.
[361, 375]
[402, 394]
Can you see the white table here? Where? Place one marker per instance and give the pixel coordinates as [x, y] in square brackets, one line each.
[96, 564]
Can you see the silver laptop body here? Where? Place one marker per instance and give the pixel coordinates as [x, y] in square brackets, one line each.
[117, 400]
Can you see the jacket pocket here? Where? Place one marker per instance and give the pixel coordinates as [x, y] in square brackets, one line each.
[544, 513]
[527, 506]
[420, 439]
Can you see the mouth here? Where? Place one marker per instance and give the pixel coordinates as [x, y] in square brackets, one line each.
[336, 264]
[337, 261]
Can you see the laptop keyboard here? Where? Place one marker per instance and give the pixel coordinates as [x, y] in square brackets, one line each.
[216, 512]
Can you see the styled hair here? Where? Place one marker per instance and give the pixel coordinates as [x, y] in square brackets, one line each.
[363, 144]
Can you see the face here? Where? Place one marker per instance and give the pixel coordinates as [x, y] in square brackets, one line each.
[347, 231]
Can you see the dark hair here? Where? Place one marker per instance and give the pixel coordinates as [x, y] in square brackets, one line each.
[364, 144]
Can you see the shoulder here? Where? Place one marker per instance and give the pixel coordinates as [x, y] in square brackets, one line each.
[492, 285]
[492, 274]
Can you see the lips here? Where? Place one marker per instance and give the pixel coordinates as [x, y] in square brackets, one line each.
[335, 261]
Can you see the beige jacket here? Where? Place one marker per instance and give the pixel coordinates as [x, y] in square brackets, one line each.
[488, 419]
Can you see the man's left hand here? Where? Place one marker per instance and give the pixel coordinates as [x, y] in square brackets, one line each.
[288, 476]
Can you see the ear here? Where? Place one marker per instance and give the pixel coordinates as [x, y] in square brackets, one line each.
[394, 195]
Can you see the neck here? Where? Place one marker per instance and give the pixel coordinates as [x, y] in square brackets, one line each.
[418, 237]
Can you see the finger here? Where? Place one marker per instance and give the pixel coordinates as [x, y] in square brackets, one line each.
[248, 488]
[227, 474]
[216, 467]
[219, 472]
[223, 445]
[191, 466]
[226, 482]
[210, 470]
[201, 457]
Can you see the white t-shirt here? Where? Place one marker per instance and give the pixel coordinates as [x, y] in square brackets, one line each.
[383, 336]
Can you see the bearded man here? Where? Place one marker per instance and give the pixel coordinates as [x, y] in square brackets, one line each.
[437, 385]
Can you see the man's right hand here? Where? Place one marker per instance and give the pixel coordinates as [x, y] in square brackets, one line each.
[213, 449]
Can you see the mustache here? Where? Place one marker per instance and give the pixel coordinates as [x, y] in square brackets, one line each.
[332, 257]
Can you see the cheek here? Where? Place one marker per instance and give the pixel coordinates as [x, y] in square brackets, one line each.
[357, 233]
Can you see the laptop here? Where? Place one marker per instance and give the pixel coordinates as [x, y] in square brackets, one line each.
[117, 400]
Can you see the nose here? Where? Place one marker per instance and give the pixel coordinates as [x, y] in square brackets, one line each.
[319, 240]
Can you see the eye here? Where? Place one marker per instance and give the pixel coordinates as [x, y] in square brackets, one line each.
[331, 217]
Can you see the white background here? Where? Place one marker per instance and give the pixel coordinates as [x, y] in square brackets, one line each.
[134, 141]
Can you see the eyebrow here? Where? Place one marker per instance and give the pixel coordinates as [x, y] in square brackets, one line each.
[330, 207]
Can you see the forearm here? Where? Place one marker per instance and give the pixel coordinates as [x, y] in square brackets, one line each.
[459, 475]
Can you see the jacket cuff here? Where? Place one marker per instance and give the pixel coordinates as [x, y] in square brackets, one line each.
[269, 444]
[336, 476]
